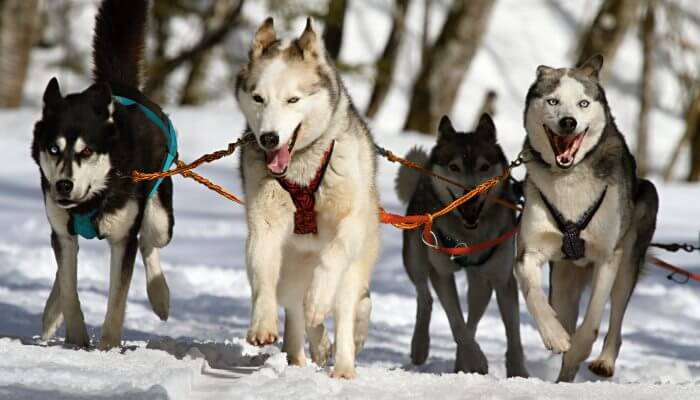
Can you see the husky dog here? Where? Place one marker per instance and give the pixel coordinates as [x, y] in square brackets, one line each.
[587, 214]
[311, 200]
[86, 145]
[468, 159]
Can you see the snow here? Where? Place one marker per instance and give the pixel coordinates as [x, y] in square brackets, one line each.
[200, 352]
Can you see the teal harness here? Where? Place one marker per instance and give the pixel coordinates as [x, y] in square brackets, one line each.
[83, 223]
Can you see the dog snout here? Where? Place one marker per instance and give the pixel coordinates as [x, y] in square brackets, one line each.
[567, 124]
[269, 140]
[64, 187]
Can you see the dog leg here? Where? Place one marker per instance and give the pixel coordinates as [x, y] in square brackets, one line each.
[417, 266]
[529, 274]
[604, 276]
[566, 284]
[319, 344]
[156, 285]
[123, 255]
[263, 260]
[66, 251]
[350, 294]
[293, 343]
[52, 317]
[507, 298]
[604, 365]
[364, 309]
[469, 358]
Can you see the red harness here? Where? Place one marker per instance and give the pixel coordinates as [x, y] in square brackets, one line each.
[304, 199]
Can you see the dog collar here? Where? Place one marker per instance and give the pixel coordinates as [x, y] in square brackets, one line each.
[304, 198]
[573, 247]
[83, 224]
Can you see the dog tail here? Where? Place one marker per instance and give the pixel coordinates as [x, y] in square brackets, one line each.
[407, 179]
[119, 41]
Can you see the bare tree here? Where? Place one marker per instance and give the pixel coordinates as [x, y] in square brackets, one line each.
[333, 31]
[385, 63]
[161, 68]
[19, 21]
[436, 87]
[607, 29]
[693, 136]
[646, 86]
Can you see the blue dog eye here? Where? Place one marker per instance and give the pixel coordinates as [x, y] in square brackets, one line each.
[552, 102]
[583, 103]
[53, 150]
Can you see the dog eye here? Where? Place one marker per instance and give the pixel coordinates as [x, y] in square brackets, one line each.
[87, 152]
[258, 99]
[552, 102]
[292, 100]
[583, 103]
[454, 168]
[54, 150]
[485, 168]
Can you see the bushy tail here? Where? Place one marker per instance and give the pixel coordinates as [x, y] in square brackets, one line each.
[407, 179]
[118, 44]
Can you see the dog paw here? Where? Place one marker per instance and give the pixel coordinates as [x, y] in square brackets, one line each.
[159, 297]
[78, 339]
[420, 347]
[555, 337]
[317, 305]
[321, 352]
[567, 375]
[471, 359]
[602, 368]
[108, 344]
[343, 373]
[263, 333]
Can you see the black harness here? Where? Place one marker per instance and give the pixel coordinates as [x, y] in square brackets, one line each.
[573, 247]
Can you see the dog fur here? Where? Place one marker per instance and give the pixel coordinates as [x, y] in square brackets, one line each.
[86, 146]
[468, 158]
[574, 161]
[291, 89]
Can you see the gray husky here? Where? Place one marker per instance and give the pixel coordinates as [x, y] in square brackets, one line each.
[469, 159]
[587, 214]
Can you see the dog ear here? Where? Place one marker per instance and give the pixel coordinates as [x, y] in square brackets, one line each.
[309, 42]
[264, 37]
[101, 95]
[52, 96]
[486, 128]
[592, 66]
[445, 128]
[543, 70]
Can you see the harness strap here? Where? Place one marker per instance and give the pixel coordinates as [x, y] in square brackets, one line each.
[83, 224]
[573, 247]
[461, 251]
[304, 199]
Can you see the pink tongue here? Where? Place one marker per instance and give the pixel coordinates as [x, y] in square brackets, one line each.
[571, 147]
[277, 161]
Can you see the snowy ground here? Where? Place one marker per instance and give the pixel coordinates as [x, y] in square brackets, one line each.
[199, 352]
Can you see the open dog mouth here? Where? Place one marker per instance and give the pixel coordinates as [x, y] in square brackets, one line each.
[67, 203]
[278, 160]
[469, 211]
[565, 147]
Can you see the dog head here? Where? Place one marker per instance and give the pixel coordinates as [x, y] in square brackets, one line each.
[287, 92]
[71, 143]
[566, 112]
[468, 159]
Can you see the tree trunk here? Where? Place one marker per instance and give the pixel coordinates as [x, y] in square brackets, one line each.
[386, 62]
[646, 87]
[692, 121]
[693, 134]
[607, 30]
[19, 21]
[436, 87]
[333, 32]
[194, 90]
[425, 36]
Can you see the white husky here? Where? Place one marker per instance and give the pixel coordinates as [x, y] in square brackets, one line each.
[311, 202]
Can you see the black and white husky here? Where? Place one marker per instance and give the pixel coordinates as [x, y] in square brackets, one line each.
[587, 214]
[86, 144]
[468, 159]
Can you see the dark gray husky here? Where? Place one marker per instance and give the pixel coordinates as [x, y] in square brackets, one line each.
[470, 159]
